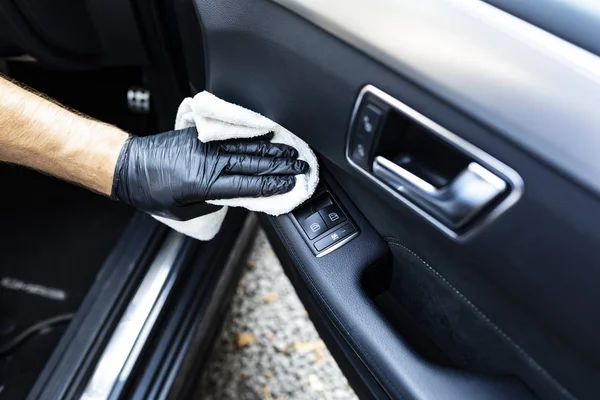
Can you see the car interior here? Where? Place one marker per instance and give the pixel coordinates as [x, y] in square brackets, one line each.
[448, 253]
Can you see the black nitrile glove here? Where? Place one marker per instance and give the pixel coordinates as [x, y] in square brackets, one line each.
[173, 173]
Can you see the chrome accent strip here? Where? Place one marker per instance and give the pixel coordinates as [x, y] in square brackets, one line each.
[537, 89]
[487, 161]
[125, 345]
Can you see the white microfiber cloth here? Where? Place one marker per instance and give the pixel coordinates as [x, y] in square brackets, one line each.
[216, 119]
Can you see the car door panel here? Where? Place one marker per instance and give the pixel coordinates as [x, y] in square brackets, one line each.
[510, 310]
[336, 280]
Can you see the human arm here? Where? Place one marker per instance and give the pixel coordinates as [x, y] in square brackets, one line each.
[168, 174]
[39, 134]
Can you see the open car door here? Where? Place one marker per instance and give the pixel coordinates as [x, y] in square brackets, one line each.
[451, 250]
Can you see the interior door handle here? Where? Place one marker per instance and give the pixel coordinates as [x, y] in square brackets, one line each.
[453, 204]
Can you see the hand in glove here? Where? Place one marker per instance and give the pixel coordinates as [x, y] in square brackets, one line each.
[173, 173]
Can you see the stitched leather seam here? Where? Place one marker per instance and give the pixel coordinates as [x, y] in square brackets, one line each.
[339, 323]
[489, 322]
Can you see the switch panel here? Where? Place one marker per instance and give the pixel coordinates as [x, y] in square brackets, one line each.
[366, 126]
[324, 224]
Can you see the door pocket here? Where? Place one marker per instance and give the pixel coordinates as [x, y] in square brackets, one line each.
[439, 323]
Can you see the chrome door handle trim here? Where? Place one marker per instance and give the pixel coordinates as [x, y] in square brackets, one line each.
[510, 176]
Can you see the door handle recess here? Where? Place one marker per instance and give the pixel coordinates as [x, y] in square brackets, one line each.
[451, 183]
[454, 204]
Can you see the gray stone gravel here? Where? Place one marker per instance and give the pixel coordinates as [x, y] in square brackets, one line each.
[269, 349]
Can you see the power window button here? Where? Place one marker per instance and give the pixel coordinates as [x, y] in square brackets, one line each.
[313, 226]
[332, 215]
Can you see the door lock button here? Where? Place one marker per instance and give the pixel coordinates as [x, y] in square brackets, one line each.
[332, 215]
[313, 226]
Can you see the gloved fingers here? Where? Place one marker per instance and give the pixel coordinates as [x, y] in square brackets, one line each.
[233, 186]
[255, 165]
[259, 148]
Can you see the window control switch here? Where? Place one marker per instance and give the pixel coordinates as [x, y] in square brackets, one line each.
[332, 215]
[313, 226]
[325, 223]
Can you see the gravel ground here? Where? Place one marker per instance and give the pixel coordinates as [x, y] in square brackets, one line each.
[269, 349]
